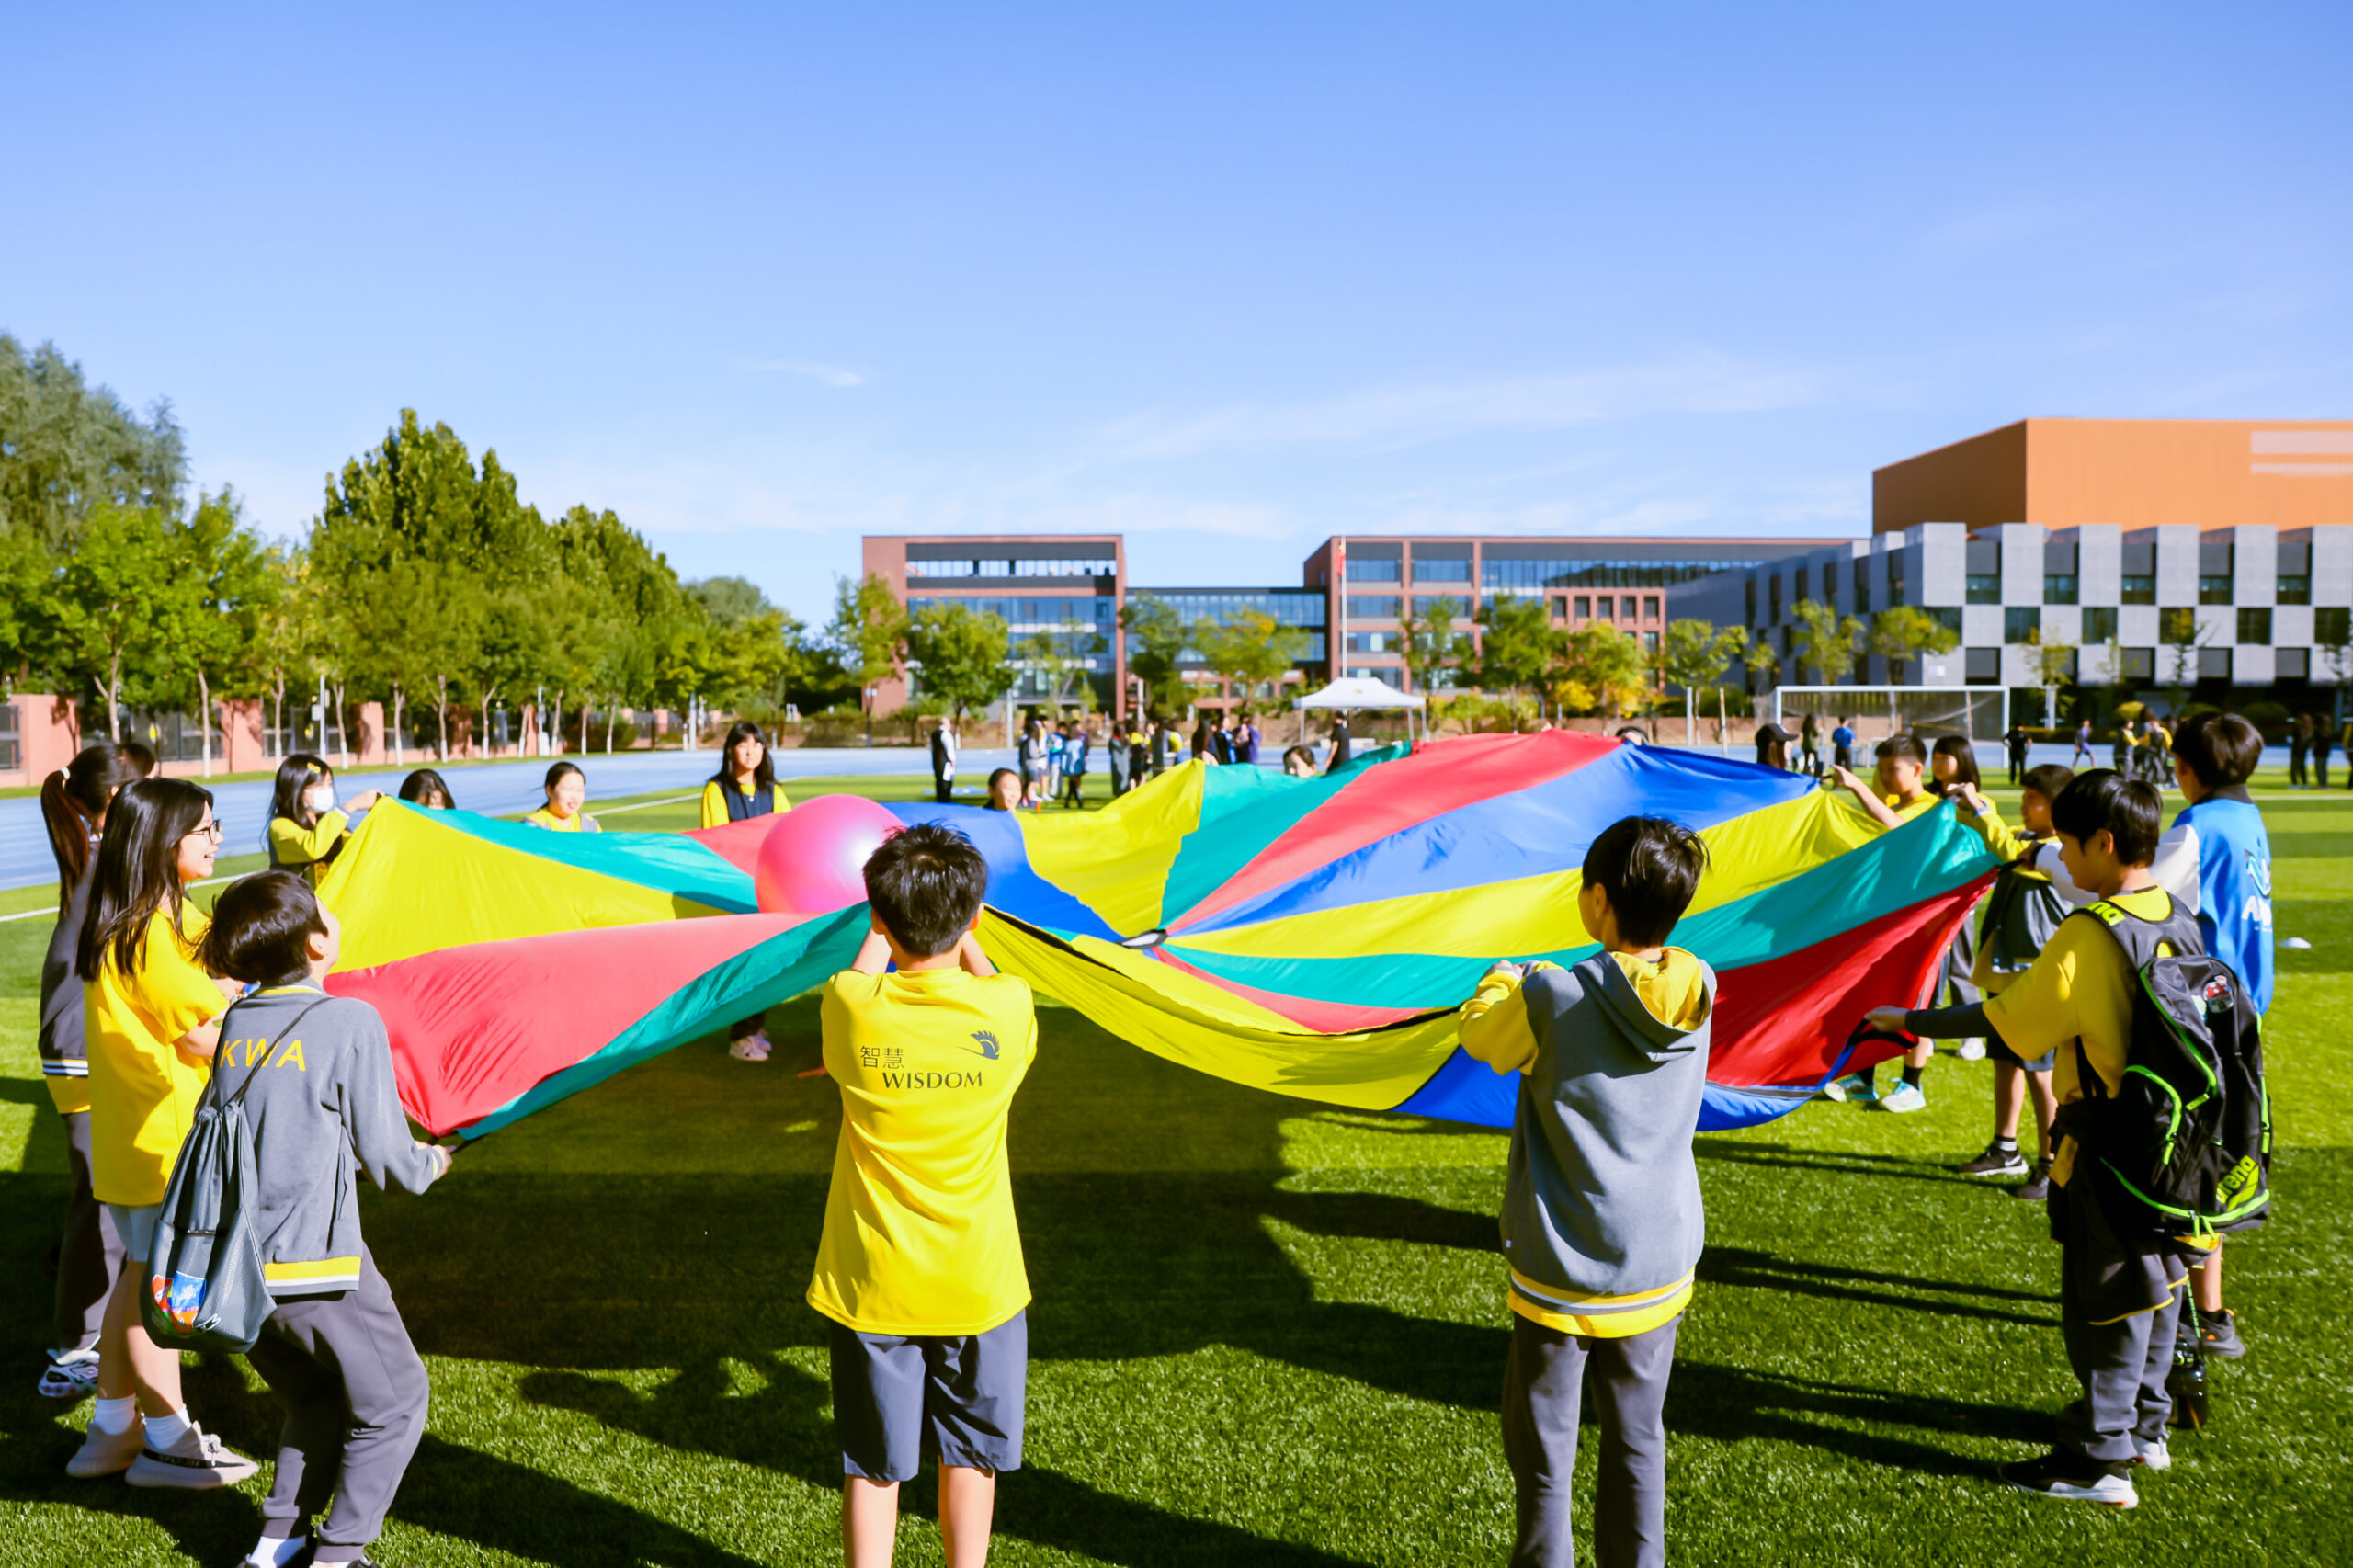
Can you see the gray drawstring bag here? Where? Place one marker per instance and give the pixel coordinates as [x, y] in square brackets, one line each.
[205, 1286]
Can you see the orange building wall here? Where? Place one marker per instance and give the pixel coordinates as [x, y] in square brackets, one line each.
[2209, 473]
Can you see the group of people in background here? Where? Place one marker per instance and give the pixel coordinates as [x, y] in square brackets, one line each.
[1054, 759]
[2311, 739]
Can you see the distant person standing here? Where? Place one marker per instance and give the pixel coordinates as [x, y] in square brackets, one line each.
[1842, 745]
[2082, 744]
[2323, 740]
[944, 747]
[2120, 754]
[1164, 747]
[1075, 752]
[1810, 743]
[1339, 757]
[2299, 745]
[1245, 741]
[2019, 744]
[1117, 756]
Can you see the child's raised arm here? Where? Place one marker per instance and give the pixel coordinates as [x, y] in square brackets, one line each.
[1845, 779]
[969, 954]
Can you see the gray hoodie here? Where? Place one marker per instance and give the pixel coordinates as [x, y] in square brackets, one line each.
[322, 1107]
[1601, 1216]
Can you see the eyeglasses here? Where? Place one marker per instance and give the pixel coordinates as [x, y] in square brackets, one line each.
[210, 830]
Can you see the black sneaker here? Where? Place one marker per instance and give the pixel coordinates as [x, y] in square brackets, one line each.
[1995, 1161]
[2036, 1188]
[2219, 1332]
[2074, 1479]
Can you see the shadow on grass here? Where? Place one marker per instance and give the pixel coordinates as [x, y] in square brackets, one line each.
[1769, 1271]
[1782, 1156]
[1730, 1406]
[786, 1428]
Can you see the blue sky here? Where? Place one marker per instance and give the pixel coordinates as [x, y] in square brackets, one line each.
[1227, 279]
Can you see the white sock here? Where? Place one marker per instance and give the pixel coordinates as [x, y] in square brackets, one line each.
[163, 1431]
[114, 1417]
[274, 1551]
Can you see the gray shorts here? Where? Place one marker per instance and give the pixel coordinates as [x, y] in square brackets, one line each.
[1999, 1049]
[136, 1226]
[957, 1398]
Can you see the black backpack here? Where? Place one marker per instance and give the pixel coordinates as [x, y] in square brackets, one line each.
[2183, 1148]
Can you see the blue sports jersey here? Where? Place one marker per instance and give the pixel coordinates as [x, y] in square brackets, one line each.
[2235, 886]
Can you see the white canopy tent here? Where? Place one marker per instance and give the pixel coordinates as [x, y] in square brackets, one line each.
[1359, 694]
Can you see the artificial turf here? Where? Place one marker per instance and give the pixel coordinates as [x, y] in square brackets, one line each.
[1264, 1332]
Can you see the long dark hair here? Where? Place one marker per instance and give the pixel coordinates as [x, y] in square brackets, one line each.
[764, 776]
[138, 871]
[74, 798]
[295, 776]
[420, 787]
[1964, 757]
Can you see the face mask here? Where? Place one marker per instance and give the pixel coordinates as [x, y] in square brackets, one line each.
[320, 797]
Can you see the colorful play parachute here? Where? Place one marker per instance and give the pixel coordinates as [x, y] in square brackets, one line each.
[1308, 937]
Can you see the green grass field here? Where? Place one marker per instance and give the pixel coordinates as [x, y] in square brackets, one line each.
[1264, 1332]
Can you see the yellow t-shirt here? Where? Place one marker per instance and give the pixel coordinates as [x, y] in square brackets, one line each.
[299, 848]
[2079, 989]
[714, 803]
[580, 821]
[919, 1233]
[144, 1088]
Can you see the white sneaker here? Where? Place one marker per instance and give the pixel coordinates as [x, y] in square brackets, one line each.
[2151, 1456]
[1852, 1089]
[1971, 1050]
[751, 1048]
[197, 1461]
[70, 1375]
[1904, 1097]
[104, 1454]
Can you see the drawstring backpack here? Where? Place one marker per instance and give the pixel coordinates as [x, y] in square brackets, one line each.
[206, 1287]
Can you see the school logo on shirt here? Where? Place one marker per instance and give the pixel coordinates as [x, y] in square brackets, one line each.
[258, 1054]
[987, 1044]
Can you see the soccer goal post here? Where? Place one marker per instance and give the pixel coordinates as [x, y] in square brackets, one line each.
[1973, 712]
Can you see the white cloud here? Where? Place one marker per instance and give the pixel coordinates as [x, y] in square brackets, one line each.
[823, 375]
[1409, 413]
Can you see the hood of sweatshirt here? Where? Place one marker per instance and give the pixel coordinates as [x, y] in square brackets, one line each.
[1662, 1004]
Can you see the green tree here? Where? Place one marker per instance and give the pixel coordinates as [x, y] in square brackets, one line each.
[1604, 668]
[869, 632]
[67, 448]
[1695, 653]
[2178, 630]
[1434, 646]
[1251, 650]
[963, 654]
[1155, 649]
[120, 592]
[1908, 634]
[223, 588]
[1825, 640]
[2055, 665]
[1519, 646]
[1061, 657]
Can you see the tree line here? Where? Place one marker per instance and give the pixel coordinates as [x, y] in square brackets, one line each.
[424, 582]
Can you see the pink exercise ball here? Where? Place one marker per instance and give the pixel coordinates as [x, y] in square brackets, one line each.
[814, 860]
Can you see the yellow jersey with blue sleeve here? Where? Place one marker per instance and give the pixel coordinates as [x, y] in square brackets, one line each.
[144, 1088]
[920, 1236]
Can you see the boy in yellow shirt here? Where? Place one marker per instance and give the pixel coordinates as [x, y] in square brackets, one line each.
[1602, 1219]
[920, 1269]
[2118, 1301]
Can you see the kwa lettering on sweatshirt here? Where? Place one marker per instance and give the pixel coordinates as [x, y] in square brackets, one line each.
[323, 1108]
